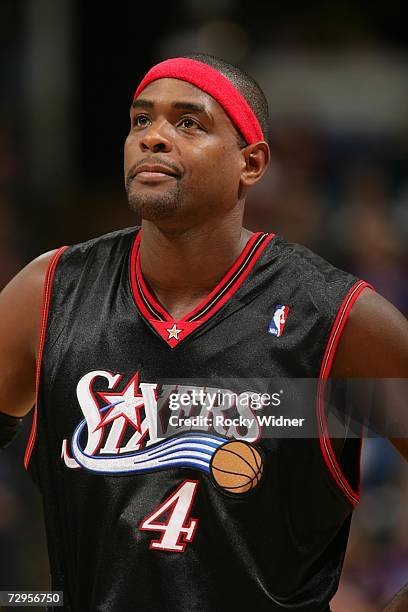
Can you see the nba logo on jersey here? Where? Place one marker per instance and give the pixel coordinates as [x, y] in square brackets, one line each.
[277, 323]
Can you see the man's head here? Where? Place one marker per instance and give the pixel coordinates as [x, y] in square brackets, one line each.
[197, 140]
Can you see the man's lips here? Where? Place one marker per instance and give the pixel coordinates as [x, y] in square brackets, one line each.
[155, 172]
[153, 176]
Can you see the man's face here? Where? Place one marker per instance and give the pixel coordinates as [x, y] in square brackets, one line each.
[182, 159]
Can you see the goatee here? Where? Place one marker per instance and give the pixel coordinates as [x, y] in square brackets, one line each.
[153, 206]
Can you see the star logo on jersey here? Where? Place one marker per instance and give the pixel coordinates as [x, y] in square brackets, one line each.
[173, 332]
[125, 405]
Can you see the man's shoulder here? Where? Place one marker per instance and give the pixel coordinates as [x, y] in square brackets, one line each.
[93, 255]
[108, 240]
[303, 258]
[310, 272]
[375, 328]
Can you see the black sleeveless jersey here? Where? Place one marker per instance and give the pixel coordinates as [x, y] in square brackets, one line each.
[147, 508]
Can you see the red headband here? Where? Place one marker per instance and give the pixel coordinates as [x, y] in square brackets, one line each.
[213, 83]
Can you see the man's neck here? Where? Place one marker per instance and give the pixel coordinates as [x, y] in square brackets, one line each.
[183, 268]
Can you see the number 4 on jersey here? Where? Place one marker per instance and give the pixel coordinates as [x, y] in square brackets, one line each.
[177, 532]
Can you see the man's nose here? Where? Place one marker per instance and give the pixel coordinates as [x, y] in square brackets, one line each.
[156, 138]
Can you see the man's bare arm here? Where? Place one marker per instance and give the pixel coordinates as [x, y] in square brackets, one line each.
[374, 344]
[20, 314]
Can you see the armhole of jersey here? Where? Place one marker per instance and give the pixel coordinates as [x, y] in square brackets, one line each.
[43, 329]
[353, 496]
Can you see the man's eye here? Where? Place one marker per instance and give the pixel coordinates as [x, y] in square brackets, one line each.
[187, 122]
[141, 121]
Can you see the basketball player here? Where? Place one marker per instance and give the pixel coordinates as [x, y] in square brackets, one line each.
[200, 520]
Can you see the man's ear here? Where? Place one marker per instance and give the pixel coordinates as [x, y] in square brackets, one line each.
[256, 159]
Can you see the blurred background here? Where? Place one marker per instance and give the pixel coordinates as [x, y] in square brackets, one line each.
[336, 76]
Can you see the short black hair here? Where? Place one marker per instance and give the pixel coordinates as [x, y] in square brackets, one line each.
[246, 85]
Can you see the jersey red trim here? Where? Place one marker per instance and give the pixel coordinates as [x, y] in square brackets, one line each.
[43, 328]
[330, 352]
[232, 280]
[173, 331]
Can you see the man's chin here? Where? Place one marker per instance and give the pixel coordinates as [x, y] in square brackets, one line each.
[154, 208]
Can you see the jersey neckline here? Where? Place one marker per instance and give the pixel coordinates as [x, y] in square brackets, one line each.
[173, 331]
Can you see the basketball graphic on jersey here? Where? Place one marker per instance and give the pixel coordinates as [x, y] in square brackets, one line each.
[237, 467]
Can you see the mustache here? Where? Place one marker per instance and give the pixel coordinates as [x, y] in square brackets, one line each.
[149, 160]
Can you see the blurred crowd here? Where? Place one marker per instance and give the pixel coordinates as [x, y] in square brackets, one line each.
[340, 191]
